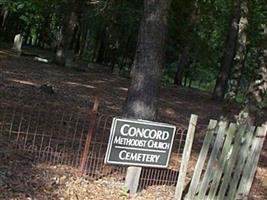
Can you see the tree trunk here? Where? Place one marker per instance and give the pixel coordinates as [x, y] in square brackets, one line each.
[190, 83]
[78, 43]
[83, 40]
[75, 35]
[5, 14]
[252, 113]
[69, 24]
[229, 53]
[240, 57]
[123, 63]
[258, 89]
[185, 79]
[43, 31]
[183, 61]
[142, 98]
[101, 47]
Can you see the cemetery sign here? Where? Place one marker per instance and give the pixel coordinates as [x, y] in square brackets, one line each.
[140, 143]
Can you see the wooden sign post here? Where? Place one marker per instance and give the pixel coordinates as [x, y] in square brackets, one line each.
[139, 143]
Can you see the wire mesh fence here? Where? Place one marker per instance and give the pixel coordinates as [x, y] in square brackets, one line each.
[58, 136]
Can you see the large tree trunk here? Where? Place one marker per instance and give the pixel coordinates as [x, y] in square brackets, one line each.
[142, 96]
[229, 53]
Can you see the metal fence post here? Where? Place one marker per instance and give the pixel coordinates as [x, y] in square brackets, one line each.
[92, 122]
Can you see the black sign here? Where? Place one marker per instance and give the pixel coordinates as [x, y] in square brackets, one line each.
[140, 143]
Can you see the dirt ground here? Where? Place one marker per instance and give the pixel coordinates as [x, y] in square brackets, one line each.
[24, 81]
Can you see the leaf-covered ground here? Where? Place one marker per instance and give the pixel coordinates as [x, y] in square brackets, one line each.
[22, 179]
[24, 81]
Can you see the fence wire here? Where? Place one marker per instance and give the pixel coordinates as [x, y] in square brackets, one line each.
[57, 136]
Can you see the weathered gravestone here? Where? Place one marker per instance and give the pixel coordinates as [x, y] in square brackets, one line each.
[18, 43]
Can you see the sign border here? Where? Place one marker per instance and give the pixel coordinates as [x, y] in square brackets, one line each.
[112, 134]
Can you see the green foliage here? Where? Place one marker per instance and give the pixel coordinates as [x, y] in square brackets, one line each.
[200, 25]
[121, 22]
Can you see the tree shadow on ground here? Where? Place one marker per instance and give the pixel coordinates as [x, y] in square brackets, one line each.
[18, 173]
